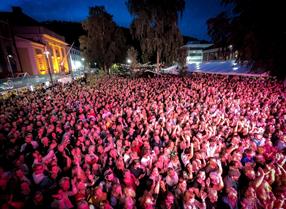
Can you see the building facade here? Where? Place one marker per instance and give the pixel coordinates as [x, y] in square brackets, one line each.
[43, 48]
[217, 53]
[39, 49]
[195, 52]
[77, 61]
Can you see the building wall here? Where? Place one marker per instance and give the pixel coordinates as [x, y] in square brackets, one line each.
[195, 56]
[26, 60]
[76, 60]
[195, 52]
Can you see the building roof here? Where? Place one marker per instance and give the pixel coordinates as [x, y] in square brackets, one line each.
[26, 30]
[30, 40]
[197, 45]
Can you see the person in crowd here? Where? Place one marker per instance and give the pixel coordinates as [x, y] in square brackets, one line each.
[200, 141]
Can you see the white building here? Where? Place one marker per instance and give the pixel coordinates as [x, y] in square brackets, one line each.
[195, 52]
[77, 61]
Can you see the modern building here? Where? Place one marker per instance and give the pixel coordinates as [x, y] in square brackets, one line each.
[38, 48]
[195, 51]
[218, 53]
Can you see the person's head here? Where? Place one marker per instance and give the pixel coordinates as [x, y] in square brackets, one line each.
[231, 193]
[169, 200]
[45, 141]
[189, 168]
[249, 153]
[65, 183]
[171, 172]
[109, 176]
[234, 174]
[212, 162]
[38, 169]
[129, 203]
[249, 172]
[83, 205]
[38, 198]
[25, 188]
[215, 178]
[250, 192]
[113, 153]
[201, 176]
[55, 170]
[148, 202]
[188, 196]
[182, 185]
[116, 189]
[29, 138]
[156, 150]
[100, 149]
[120, 164]
[212, 195]
[260, 159]
[20, 173]
[155, 172]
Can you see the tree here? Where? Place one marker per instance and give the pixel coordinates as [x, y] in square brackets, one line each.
[257, 31]
[219, 29]
[105, 42]
[132, 55]
[181, 59]
[155, 25]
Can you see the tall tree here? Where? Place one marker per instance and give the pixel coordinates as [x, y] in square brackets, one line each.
[219, 29]
[105, 42]
[257, 31]
[132, 55]
[155, 25]
[182, 60]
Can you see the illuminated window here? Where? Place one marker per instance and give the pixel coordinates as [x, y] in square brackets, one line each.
[41, 62]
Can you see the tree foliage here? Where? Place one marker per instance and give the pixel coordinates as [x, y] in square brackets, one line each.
[105, 42]
[182, 56]
[132, 55]
[256, 29]
[219, 29]
[182, 60]
[155, 25]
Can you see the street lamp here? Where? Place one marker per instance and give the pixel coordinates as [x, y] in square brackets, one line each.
[129, 61]
[9, 63]
[46, 52]
[230, 48]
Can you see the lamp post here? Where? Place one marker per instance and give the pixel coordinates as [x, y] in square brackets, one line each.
[46, 52]
[230, 48]
[9, 63]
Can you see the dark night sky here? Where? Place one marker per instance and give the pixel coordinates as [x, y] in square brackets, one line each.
[192, 23]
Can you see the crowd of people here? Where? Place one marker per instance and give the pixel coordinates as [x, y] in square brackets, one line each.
[200, 141]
